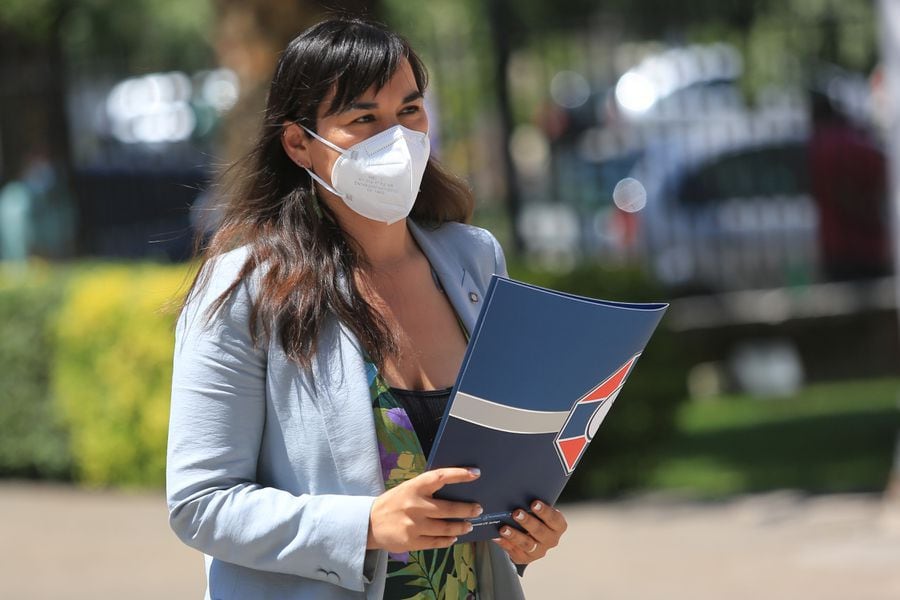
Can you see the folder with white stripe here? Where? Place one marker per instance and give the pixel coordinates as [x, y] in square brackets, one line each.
[540, 374]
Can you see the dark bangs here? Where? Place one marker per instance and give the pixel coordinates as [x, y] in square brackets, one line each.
[362, 55]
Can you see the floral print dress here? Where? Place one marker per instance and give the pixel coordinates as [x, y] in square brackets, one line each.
[439, 574]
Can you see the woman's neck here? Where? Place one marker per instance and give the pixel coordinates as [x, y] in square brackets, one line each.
[384, 247]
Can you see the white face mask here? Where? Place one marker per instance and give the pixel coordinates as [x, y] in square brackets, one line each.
[379, 177]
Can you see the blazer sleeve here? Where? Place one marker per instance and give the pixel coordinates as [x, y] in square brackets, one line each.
[218, 411]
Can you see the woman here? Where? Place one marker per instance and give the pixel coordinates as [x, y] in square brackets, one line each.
[317, 346]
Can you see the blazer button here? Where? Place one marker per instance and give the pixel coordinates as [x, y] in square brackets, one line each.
[473, 296]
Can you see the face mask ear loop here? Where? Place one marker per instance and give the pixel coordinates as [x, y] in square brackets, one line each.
[324, 184]
[323, 140]
[330, 145]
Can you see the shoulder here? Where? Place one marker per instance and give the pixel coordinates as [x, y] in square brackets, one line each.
[223, 274]
[473, 246]
[227, 266]
[453, 230]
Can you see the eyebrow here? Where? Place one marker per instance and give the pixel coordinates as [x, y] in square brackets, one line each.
[415, 95]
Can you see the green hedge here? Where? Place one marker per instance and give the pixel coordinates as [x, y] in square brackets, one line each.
[622, 455]
[88, 351]
[113, 370]
[33, 442]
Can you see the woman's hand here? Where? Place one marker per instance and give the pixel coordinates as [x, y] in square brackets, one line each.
[542, 532]
[407, 517]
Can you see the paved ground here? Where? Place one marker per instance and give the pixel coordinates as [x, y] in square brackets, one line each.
[61, 543]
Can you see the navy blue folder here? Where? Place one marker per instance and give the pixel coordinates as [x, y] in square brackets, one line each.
[541, 371]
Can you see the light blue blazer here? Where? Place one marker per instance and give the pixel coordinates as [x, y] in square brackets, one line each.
[272, 470]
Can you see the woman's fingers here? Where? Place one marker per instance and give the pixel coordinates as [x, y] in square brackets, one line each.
[431, 481]
[522, 541]
[542, 532]
[444, 528]
[448, 509]
[428, 543]
[407, 516]
[546, 528]
[551, 517]
[439, 533]
[536, 528]
[516, 554]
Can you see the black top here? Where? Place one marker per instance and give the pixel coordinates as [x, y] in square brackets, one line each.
[425, 410]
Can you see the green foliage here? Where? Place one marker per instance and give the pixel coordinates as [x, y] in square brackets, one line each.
[143, 34]
[621, 456]
[828, 438]
[146, 34]
[32, 19]
[33, 442]
[87, 365]
[113, 371]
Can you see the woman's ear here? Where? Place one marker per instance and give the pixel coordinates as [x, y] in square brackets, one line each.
[295, 143]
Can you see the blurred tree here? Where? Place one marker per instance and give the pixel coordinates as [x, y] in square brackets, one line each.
[530, 40]
[497, 11]
[836, 32]
[46, 44]
[140, 35]
[43, 43]
[155, 35]
[664, 19]
[32, 109]
[249, 34]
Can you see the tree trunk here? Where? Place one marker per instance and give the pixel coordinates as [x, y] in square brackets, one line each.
[498, 10]
[249, 35]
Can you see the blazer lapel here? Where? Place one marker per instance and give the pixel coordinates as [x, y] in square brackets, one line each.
[343, 375]
[462, 289]
[346, 377]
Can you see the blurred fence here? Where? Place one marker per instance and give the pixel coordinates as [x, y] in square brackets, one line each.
[692, 151]
[712, 160]
[740, 164]
[119, 176]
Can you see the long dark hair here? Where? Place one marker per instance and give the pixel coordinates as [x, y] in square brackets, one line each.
[307, 261]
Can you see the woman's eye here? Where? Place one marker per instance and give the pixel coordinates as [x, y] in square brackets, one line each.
[364, 119]
[410, 110]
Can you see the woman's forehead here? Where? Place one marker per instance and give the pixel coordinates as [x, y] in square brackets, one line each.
[400, 85]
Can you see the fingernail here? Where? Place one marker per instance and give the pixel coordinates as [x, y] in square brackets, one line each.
[538, 506]
[454, 541]
[478, 510]
[475, 472]
[506, 532]
[519, 516]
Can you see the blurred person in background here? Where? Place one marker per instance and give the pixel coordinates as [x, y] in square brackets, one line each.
[16, 208]
[36, 216]
[317, 347]
[848, 179]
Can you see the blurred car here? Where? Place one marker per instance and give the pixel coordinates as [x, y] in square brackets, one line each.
[729, 209]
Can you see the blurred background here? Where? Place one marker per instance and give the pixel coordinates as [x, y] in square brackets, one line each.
[732, 157]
